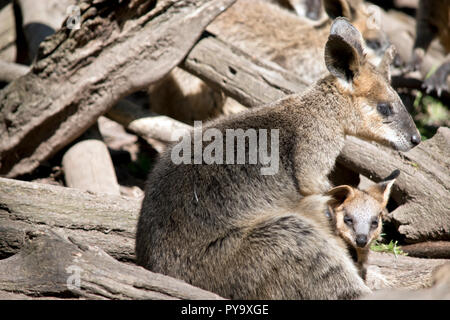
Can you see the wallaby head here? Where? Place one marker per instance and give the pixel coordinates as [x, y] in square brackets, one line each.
[360, 15]
[375, 111]
[357, 215]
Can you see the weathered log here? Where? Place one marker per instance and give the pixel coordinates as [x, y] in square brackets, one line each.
[423, 187]
[250, 81]
[109, 222]
[439, 278]
[88, 165]
[429, 249]
[8, 48]
[399, 271]
[10, 71]
[157, 130]
[121, 47]
[51, 265]
[103, 220]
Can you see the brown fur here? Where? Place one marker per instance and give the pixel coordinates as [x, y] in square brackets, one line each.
[296, 44]
[311, 9]
[186, 98]
[433, 21]
[362, 207]
[229, 229]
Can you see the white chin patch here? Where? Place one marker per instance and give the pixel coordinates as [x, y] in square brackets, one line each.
[398, 142]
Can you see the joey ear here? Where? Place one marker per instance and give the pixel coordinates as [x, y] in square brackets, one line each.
[382, 190]
[344, 50]
[385, 65]
[331, 214]
[337, 8]
[339, 194]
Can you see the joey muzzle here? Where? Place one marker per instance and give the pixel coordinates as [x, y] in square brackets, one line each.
[361, 240]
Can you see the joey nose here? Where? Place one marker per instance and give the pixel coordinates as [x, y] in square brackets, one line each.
[361, 240]
[415, 139]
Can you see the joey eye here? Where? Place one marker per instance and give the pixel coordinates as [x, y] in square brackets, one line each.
[384, 109]
[374, 224]
[374, 44]
[348, 220]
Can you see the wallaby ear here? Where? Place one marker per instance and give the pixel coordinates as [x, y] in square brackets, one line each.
[339, 194]
[382, 190]
[385, 65]
[337, 8]
[344, 50]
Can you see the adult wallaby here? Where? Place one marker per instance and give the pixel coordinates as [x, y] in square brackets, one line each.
[433, 21]
[269, 32]
[238, 231]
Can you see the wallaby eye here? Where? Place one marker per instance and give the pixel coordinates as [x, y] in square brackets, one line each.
[384, 109]
[374, 44]
[348, 220]
[374, 224]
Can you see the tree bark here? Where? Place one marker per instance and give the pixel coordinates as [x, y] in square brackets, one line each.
[250, 81]
[156, 129]
[79, 74]
[429, 249]
[402, 271]
[8, 50]
[51, 265]
[103, 220]
[88, 166]
[10, 71]
[109, 222]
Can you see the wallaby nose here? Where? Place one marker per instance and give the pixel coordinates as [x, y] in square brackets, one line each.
[361, 240]
[415, 139]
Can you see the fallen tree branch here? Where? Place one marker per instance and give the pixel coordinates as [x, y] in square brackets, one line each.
[434, 276]
[250, 81]
[8, 37]
[429, 249]
[103, 220]
[10, 71]
[87, 165]
[74, 269]
[121, 47]
[109, 222]
[157, 130]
